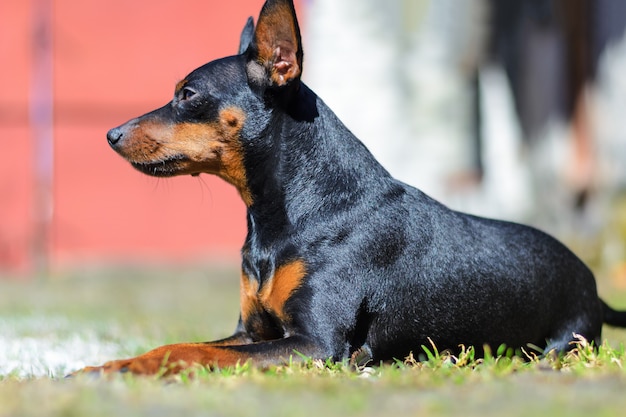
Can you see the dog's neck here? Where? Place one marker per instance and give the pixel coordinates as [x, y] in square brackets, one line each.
[304, 140]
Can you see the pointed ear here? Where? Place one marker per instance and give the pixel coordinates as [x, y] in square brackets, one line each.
[247, 34]
[277, 46]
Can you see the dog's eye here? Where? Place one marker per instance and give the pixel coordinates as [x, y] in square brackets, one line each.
[187, 93]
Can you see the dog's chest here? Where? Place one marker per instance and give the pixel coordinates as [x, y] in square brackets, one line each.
[259, 300]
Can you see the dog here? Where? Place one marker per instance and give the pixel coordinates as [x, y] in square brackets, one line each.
[340, 259]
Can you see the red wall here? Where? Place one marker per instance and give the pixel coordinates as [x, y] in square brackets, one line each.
[112, 61]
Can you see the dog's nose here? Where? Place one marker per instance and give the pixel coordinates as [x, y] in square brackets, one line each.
[114, 135]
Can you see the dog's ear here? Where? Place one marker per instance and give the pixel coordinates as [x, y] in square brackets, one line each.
[247, 34]
[276, 46]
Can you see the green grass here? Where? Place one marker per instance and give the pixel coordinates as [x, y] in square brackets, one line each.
[109, 313]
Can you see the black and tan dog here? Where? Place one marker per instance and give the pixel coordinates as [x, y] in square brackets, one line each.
[340, 257]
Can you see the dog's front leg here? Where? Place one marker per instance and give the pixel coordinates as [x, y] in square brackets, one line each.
[171, 359]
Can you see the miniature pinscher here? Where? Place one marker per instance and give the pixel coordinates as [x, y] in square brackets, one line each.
[340, 259]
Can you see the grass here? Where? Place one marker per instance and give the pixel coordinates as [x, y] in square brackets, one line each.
[53, 326]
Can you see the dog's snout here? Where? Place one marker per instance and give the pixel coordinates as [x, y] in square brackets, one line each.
[114, 136]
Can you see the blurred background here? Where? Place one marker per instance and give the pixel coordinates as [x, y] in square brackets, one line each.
[503, 108]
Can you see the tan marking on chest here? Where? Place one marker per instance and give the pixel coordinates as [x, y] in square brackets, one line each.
[249, 298]
[274, 293]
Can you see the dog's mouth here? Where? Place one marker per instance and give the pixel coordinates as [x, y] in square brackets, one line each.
[167, 167]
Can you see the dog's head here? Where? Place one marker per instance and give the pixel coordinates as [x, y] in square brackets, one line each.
[220, 109]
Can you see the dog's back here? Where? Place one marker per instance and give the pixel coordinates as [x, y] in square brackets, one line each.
[407, 268]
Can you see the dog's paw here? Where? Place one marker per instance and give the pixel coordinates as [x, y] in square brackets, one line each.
[119, 366]
[361, 357]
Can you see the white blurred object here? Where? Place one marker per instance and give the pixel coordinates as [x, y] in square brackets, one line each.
[506, 185]
[45, 346]
[391, 72]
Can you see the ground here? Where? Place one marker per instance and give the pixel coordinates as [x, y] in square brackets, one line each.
[52, 326]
